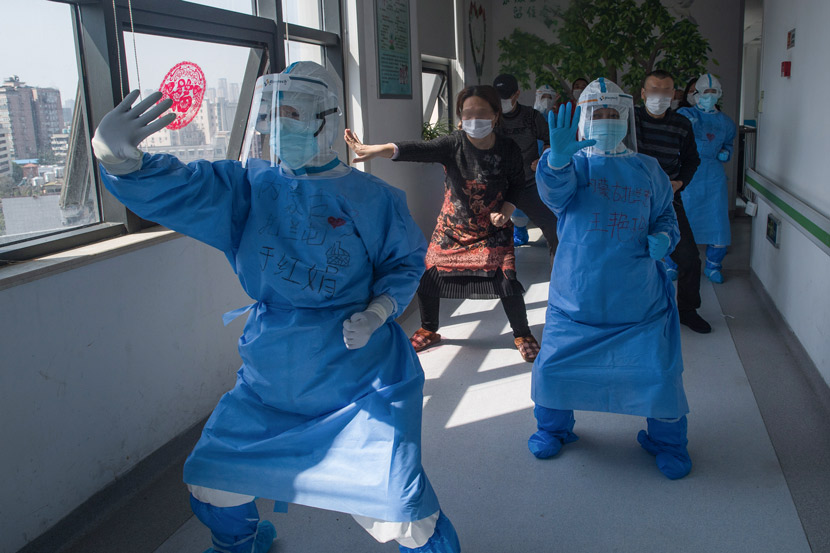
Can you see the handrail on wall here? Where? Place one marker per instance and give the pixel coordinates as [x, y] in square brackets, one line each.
[813, 224]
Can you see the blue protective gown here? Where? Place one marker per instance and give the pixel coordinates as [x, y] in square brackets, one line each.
[612, 333]
[308, 421]
[706, 198]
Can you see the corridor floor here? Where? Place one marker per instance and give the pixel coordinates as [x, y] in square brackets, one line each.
[602, 494]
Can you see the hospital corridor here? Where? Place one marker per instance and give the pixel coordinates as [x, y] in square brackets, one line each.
[426, 276]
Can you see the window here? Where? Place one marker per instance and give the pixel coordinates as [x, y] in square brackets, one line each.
[437, 114]
[297, 51]
[42, 191]
[123, 44]
[211, 76]
[302, 12]
[241, 6]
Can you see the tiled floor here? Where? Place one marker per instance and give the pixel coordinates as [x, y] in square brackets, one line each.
[602, 494]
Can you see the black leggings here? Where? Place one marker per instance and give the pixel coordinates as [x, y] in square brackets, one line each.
[514, 308]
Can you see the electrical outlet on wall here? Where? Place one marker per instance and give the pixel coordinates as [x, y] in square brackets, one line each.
[774, 230]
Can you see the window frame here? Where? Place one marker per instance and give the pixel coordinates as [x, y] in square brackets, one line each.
[99, 50]
[438, 66]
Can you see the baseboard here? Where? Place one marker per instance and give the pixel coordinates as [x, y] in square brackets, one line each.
[91, 513]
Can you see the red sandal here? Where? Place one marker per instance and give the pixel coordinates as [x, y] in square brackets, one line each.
[423, 339]
[528, 347]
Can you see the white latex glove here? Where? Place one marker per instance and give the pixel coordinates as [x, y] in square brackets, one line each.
[359, 327]
[120, 132]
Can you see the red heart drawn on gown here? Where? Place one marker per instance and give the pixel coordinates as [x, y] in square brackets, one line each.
[336, 222]
[710, 136]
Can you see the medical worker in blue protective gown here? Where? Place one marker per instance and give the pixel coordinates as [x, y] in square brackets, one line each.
[706, 199]
[326, 410]
[612, 333]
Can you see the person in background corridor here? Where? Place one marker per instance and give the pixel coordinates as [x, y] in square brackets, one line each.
[706, 198]
[525, 126]
[668, 138]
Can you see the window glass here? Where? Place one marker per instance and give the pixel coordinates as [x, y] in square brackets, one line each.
[302, 12]
[203, 78]
[45, 181]
[242, 6]
[300, 51]
[436, 108]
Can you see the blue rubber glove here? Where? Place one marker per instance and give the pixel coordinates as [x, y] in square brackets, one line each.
[563, 143]
[723, 155]
[658, 245]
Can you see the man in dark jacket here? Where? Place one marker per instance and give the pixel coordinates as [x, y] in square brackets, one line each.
[668, 137]
[525, 126]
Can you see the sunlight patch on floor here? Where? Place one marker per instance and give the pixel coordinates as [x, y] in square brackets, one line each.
[492, 399]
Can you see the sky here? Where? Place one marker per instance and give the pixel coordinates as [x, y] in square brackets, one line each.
[43, 54]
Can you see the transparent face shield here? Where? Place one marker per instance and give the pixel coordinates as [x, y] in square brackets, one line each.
[292, 122]
[545, 99]
[608, 118]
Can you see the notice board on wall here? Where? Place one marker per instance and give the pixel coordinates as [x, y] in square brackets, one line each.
[393, 48]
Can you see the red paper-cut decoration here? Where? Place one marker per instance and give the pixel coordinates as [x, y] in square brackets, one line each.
[185, 85]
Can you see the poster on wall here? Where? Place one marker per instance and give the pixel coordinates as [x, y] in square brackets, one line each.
[393, 47]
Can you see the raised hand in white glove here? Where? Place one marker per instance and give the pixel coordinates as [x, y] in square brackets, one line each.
[359, 327]
[120, 132]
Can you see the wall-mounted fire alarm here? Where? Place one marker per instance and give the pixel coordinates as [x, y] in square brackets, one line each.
[786, 67]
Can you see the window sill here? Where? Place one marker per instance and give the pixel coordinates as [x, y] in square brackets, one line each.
[24, 272]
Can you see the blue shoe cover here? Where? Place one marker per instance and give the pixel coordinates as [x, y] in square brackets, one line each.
[520, 236]
[714, 275]
[443, 540]
[667, 442]
[544, 444]
[265, 536]
[555, 430]
[672, 274]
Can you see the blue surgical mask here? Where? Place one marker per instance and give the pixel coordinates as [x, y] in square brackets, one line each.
[608, 133]
[297, 144]
[707, 102]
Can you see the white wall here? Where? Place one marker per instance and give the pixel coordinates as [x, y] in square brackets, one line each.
[436, 27]
[792, 146]
[389, 120]
[750, 79]
[796, 276]
[102, 365]
[792, 130]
